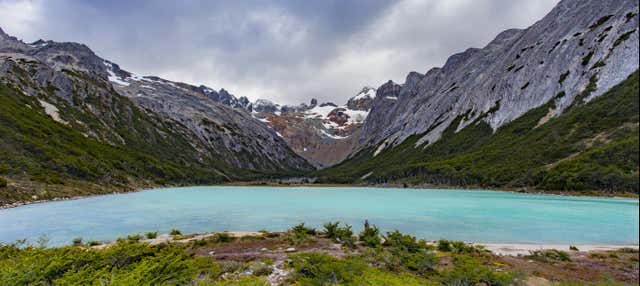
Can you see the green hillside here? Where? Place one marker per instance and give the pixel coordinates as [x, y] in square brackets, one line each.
[43, 159]
[591, 147]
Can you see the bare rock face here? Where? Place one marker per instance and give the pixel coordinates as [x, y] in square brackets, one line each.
[579, 50]
[324, 134]
[364, 99]
[69, 76]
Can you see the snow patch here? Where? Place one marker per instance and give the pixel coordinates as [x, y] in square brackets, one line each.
[391, 97]
[366, 92]
[333, 136]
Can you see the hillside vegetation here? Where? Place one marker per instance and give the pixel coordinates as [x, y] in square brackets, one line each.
[305, 256]
[591, 147]
[44, 159]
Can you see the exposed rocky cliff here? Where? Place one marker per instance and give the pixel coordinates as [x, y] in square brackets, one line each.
[94, 96]
[575, 53]
[325, 133]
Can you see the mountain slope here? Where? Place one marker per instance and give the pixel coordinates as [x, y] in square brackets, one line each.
[324, 134]
[477, 120]
[592, 146]
[577, 42]
[71, 126]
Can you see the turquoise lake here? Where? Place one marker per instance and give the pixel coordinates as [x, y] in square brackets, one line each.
[469, 215]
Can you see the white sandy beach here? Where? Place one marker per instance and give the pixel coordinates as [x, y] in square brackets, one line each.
[514, 249]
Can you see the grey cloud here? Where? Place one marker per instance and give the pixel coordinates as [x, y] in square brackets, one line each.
[286, 51]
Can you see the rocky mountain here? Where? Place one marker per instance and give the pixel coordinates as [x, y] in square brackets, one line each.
[579, 44]
[428, 129]
[59, 98]
[324, 134]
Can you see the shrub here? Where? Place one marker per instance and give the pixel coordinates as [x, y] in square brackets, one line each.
[231, 266]
[175, 232]
[301, 232]
[467, 271]
[573, 247]
[322, 269]
[444, 245]
[343, 235]
[331, 230]
[93, 243]
[403, 241]
[125, 262]
[549, 255]
[152, 234]
[135, 237]
[3, 182]
[77, 241]
[262, 270]
[370, 235]
[223, 237]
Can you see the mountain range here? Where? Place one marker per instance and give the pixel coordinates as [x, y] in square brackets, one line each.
[538, 108]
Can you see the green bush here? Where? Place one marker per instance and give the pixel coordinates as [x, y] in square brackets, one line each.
[134, 237]
[549, 255]
[468, 271]
[223, 237]
[77, 241]
[151, 234]
[331, 230]
[403, 241]
[3, 182]
[444, 245]
[93, 243]
[175, 232]
[342, 235]
[262, 270]
[370, 235]
[300, 232]
[322, 269]
[124, 263]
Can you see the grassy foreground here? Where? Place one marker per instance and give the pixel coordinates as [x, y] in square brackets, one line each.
[304, 256]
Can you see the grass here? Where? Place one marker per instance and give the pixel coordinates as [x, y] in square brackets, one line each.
[401, 260]
[590, 147]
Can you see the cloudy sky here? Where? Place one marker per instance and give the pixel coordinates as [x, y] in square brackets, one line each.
[287, 51]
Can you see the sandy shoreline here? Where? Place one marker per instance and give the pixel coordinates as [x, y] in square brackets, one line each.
[504, 249]
[514, 249]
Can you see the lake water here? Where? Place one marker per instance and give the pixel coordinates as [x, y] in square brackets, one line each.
[481, 216]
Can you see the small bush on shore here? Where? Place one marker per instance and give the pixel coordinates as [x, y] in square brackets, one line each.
[77, 241]
[444, 245]
[93, 243]
[301, 232]
[370, 235]
[223, 237]
[134, 237]
[175, 232]
[342, 235]
[151, 234]
[3, 182]
[549, 255]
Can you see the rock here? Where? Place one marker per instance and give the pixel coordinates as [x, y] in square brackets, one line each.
[71, 74]
[290, 249]
[518, 71]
